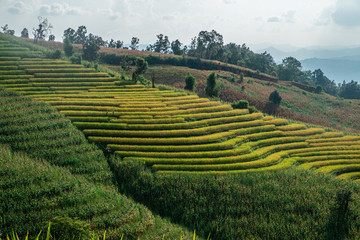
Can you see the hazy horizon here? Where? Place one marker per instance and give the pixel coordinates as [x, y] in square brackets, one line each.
[307, 23]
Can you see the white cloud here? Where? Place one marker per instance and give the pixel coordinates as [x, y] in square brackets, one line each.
[347, 13]
[273, 19]
[20, 7]
[59, 9]
[325, 18]
[288, 17]
[230, 1]
[110, 13]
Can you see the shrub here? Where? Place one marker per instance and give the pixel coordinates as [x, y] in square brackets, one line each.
[242, 104]
[68, 47]
[212, 88]
[275, 97]
[56, 54]
[190, 82]
[76, 59]
[143, 80]
[253, 109]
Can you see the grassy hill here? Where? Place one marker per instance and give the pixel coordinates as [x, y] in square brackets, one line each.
[49, 170]
[199, 162]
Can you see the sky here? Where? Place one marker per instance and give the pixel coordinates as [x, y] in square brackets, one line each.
[257, 23]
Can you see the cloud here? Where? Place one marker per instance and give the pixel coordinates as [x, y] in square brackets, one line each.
[168, 17]
[347, 13]
[288, 17]
[230, 1]
[273, 20]
[59, 9]
[110, 13]
[19, 7]
[325, 17]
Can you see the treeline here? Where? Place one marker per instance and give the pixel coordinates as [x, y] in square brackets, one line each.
[206, 45]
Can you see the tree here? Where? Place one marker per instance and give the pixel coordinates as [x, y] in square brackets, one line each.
[162, 44]
[51, 37]
[25, 33]
[209, 43]
[212, 88]
[176, 47]
[119, 44]
[111, 44]
[80, 35]
[6, 30]
[134, 43]
[289, 70]
[97, 39]
[241, 104]
[43, 29]
[275, 97]
[141, 67]
[68, 47]
[190, 82]
[70, 34]
[90, 50]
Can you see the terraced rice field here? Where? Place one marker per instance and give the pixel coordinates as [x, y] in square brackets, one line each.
[173, 131]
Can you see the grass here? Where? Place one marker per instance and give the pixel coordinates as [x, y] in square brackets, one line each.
[174, 134]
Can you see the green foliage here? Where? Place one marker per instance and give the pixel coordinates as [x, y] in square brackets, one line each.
[141, 67]
[68, 47]
[25, 33]
[350, 90]
[241, 104]
[190, 82]
[341, 219]
[212, 88]
[273, 201]
[142, 80]
[54, 54]
[68, 228]
[318, 89]
[275, 97]
[90, 50]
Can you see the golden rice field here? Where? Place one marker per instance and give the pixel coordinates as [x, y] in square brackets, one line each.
[174, 131]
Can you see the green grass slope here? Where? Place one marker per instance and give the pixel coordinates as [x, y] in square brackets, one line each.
[173, 131]
[34, 192]
[200, 162]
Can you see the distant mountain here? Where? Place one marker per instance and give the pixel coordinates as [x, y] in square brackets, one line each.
[305, 53]
[338, 69]
[338, 64]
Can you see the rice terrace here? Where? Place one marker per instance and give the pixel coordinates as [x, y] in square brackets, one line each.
[98, 155]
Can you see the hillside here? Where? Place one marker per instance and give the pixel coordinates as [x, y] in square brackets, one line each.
[49, 170]
[297, 104]
[170, 149]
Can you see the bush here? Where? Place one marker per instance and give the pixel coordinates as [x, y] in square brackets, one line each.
[190, 82]
[241, 78]
[212, 88]
[68, 47]
[318, 89]
[275, 97]
[242, 104]
[75, 59]
[253, 109]
[143, 80]
[56, 54]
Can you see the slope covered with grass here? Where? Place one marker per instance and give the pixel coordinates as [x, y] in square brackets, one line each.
[199, 162]
[65, 176]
